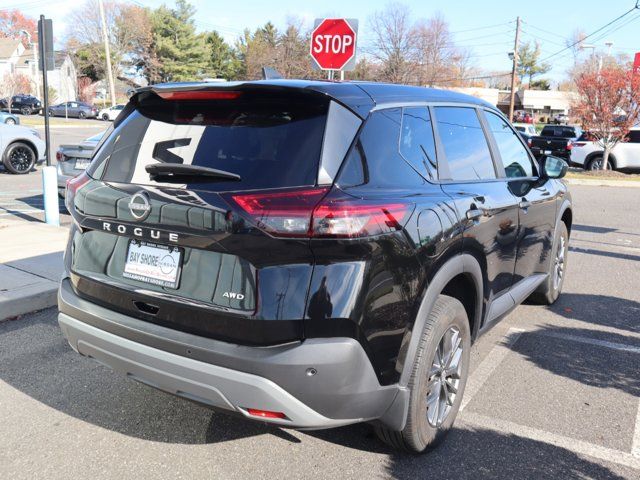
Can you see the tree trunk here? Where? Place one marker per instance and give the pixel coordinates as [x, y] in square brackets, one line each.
[605, 158]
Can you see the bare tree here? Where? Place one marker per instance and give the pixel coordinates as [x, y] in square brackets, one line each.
[393, 44]
[434, 51]
[574, 43]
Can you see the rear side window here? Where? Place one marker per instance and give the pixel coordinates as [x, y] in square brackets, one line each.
[417, 144]
[464, 143]
[634, 136]
[268, 142]
[375, 160]
[514, 156]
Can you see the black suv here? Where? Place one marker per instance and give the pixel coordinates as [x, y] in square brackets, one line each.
[309, 254]
[25, 104]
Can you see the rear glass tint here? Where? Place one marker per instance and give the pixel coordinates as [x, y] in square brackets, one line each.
[268, 142]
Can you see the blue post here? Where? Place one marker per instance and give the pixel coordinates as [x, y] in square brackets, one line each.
[50, 190]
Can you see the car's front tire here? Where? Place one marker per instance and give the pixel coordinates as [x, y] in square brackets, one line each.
[596, 163]
[10, 121]
[105, 117]
[19, 158]
[25, 111]
[551, 289]
[438, 378]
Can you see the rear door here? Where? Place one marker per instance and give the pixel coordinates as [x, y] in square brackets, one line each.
[227, 259]
[475, 181]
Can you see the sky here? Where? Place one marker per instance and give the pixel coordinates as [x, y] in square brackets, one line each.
[486, 28]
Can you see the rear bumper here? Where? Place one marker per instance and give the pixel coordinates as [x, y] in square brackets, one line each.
[344, 390]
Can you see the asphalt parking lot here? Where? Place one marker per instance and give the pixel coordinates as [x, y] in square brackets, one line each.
[21, 195]
[553, 393]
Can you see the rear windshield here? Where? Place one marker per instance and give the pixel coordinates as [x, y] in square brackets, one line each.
[268, 142]
[562, 132]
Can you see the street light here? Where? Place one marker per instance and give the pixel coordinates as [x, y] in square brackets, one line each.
[35, 61]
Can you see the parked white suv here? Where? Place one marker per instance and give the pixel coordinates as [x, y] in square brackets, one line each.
[20, 148]
[110, 113]
[624, 156]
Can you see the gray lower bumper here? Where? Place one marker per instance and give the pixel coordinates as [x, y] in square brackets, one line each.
[216, 386]
[234, 377]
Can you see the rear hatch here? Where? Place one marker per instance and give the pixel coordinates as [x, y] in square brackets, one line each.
[195, 210]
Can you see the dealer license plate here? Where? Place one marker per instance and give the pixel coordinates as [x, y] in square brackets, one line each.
[82, 163]
[151, 263]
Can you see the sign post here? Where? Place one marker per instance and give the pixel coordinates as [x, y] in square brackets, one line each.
[333, 45]
[49, 177]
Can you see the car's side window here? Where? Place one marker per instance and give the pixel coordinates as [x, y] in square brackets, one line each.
[375, 159]
[634, 136]
[464, 143]
[515, 158]
[417, 144]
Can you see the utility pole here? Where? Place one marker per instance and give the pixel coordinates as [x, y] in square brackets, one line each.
[107, 53]
[512, 99]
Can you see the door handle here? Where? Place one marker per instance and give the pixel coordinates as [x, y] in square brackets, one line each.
[524, 204]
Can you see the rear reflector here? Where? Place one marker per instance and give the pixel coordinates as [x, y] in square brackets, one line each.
[265, 414]
[312, 213]
[199, 95]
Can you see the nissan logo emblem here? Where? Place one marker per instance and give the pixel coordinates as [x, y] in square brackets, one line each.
[139, 206]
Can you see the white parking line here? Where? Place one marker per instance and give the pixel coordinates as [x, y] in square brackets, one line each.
[482, 373]
[591, 341]
[577, 446]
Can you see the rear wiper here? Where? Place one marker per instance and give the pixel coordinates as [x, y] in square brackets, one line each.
[179, 173]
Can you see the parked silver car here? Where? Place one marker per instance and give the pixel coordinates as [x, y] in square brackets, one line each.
[72, 160]
[73, 109]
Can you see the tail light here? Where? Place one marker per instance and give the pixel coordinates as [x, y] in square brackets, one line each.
[569, 145]
[73, 185]
[60, 156]
[529, 142]
[579, 144]
[318, 214]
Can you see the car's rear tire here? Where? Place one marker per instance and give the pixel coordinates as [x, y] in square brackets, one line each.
[596, 163]
[25, 110]
[438, 378]
[81, 115]
[10, 121]
[19, 158]
[105, 117]
[551, 288]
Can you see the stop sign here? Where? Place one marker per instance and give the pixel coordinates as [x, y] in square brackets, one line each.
[333, 43]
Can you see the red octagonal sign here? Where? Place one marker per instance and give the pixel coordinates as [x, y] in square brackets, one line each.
[333, 43]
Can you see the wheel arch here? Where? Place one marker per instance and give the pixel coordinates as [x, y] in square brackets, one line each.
[29, 143]
[462, 270]
[599, 153]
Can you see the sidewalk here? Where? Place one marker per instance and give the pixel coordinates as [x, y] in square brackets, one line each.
[30, 266]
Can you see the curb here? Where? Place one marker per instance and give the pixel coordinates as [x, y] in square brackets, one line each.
[603, 183]
[28, 299]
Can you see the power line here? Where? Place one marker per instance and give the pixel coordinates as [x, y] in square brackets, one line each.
[483, 28]
[592, 33]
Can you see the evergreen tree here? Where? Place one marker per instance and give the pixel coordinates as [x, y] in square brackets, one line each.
[181, 53]
[222, 60]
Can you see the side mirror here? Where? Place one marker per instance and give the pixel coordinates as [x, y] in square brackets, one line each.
[554, 167]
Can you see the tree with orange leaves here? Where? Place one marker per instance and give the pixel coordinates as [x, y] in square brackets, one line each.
[12, 22]
[608, 105]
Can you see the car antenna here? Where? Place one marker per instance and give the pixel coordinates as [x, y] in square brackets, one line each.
[270, 73]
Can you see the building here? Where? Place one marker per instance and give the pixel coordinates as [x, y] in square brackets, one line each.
[15, 59]
[10, 52]
[541, 104]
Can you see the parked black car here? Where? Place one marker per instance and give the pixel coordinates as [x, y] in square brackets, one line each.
[556, 140]
[309, 254]
[73, 109]
[25, 104]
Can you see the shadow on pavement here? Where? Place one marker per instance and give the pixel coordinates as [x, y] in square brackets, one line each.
[602, 310]
[593, 365]
[471, 453]
[36, 360]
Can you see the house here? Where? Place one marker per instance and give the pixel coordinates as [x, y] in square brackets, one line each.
[15, 59]
[10, 52]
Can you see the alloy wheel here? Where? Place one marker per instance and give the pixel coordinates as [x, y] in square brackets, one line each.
[444, 377]
[21, 158]
[10, 121]
[558, 267]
